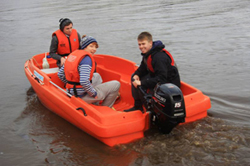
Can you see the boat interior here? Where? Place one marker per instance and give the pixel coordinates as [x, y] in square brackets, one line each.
[110, 68]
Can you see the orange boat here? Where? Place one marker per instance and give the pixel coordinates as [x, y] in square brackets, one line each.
[112, 126]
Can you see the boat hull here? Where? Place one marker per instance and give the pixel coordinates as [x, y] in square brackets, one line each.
[111, 126]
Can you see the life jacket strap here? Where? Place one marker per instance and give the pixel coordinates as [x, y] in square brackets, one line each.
[74, 87]
[73, 83]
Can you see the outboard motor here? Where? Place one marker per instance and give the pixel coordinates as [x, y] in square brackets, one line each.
[168, 107]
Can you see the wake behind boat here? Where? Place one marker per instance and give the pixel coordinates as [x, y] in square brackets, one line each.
[112, 126]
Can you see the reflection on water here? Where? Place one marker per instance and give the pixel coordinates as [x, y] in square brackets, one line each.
[231, 107]
[61, 142]
[207, 141]
[210, 140]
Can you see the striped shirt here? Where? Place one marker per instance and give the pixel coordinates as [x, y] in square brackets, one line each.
[84, 69]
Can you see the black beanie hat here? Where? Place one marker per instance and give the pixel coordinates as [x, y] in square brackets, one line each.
[64, 22]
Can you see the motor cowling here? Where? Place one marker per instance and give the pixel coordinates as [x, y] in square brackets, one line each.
[168, 107]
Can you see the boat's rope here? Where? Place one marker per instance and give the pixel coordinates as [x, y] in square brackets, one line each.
[29, 71]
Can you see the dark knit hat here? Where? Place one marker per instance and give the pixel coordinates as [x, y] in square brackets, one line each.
[87, 40]
[64, 22]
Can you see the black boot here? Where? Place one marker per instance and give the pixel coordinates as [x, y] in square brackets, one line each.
[137, 106]
[134, 109]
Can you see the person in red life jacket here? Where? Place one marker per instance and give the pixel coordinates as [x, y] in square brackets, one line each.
[64, 41]
[80, 77]
[157, 66]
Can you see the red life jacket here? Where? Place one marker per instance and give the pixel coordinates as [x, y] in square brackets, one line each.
[66, 45]
[149, 60]
[71, 68]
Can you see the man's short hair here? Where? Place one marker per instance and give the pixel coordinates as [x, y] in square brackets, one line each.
[145, 36]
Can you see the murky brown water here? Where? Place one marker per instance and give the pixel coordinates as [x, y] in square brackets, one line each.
[210, 40]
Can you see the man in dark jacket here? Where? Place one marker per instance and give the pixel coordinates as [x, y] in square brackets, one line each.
[157, 66]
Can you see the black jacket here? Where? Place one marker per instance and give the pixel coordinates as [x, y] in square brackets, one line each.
[164, 72]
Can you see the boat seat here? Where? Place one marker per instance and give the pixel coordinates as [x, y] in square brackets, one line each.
[50, 70]
[107, 74]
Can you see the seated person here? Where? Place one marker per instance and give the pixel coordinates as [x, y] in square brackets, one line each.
[64, 41]
[157, 66]
[80, 78]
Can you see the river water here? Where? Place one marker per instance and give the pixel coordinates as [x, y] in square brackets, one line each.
[209, 39]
